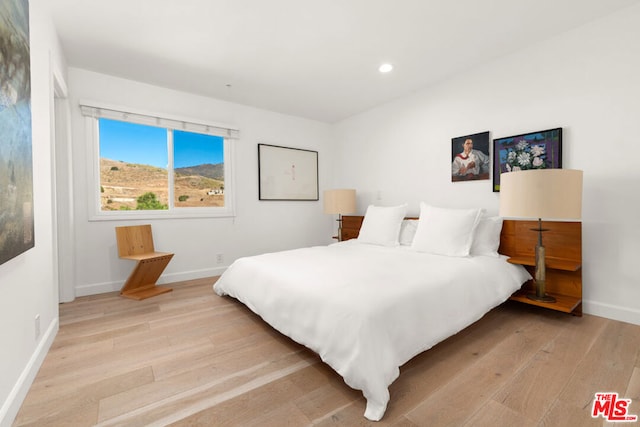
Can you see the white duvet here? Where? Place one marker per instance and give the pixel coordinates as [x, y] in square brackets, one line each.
[365, 309]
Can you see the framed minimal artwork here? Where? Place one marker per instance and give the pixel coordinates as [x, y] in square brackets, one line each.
[535, 150]
[16, 167]
[470, 158]
[287, 173]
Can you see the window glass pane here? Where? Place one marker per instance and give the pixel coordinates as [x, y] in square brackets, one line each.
[198, 170]
[133, 166]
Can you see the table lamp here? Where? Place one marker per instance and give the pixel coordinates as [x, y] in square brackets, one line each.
[541, 193]
[340, 202]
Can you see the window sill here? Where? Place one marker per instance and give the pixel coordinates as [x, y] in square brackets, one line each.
[153, 215]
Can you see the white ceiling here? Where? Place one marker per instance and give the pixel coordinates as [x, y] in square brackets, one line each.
[315, 59]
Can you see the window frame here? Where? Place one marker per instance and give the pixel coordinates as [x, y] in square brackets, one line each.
[91, 112]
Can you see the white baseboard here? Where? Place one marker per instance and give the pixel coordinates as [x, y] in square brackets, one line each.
[615, 312]
[11, 406]
[101, 288]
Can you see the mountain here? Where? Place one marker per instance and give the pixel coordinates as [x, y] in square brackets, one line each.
[207, 170]
[121, 183]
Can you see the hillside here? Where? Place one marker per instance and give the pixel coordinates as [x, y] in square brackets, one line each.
[122, 183]
[207, 170]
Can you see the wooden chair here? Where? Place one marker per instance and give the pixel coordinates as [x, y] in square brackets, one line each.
[136, 243]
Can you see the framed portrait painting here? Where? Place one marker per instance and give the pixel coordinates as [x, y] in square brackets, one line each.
[287, 173]
[470, 158]
[534, 150]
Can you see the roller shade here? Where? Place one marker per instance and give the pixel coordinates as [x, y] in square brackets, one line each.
[113, 113]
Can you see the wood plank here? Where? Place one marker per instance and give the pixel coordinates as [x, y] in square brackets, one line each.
[565, 414]
[632, 392]
[78, 406]
[533, 390]
[495, 414]
[493, 371]
[190, 357]
[563, 303]
[144, 292]
[141, 283]
[242, 396]
[146, 255]
[550, 262]
[433, 369]
[561, 240]
[606, 367]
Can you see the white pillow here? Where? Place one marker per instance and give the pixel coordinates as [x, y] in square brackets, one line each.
[408, 231]
[381, 225]
[487, 238]
[445, 231]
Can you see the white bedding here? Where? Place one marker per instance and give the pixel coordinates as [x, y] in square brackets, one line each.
[365, 309]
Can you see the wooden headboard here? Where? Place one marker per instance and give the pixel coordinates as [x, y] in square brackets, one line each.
[563, 240]
[563, 244]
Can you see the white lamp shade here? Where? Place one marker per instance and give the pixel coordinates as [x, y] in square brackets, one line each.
[541, 193]
[341, 201]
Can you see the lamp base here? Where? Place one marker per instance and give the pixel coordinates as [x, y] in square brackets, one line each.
[543, 298]
[540, 295]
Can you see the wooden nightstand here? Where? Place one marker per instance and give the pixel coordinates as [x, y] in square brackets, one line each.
[351, 226]
[563, 242]
[561, 277]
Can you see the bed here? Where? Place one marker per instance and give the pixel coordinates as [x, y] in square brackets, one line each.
[370, 304]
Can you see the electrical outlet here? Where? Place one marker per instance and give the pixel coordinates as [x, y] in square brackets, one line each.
[219, 259]
[37, 326]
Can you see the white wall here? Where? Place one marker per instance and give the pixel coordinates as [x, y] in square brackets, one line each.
[259, 226]
[27, 283]
[585, 81]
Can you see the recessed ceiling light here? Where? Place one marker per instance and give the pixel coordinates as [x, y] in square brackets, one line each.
[385, 68]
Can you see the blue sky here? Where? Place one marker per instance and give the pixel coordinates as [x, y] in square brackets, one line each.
[192, 149]
[134, 143]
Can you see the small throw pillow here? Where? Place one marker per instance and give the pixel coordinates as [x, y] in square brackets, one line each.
[487, 238]
[443, 231]
[381, 225]
[408, 231]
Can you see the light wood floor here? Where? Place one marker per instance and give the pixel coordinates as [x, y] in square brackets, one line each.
[191, 358]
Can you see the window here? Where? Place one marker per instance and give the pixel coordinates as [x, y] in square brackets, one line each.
[147, 166]
[199, 170]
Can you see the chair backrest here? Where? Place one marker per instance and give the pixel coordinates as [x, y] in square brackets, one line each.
[134, 240]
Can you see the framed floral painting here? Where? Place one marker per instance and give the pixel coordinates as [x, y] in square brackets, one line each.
[535, 150]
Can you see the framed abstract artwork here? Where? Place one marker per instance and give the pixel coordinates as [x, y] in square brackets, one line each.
[470, 158]
[16, 167]
[534, 150]
[287, 173]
